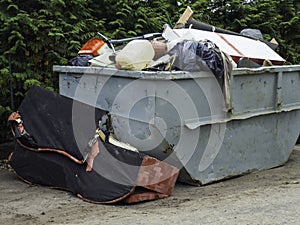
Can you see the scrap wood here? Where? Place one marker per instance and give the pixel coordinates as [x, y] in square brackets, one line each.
[184, 18]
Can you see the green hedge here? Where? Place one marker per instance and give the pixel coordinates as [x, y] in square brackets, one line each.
[37, 34]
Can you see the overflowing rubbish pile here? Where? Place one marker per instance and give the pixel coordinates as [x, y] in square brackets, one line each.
[212, 102]
[189, 46]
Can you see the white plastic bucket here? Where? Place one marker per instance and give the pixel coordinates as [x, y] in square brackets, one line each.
[136, 55]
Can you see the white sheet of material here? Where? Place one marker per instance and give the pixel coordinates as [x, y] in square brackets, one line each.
[234, 45]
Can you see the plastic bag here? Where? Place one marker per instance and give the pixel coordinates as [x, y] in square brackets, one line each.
[80, 60]
[198, 56]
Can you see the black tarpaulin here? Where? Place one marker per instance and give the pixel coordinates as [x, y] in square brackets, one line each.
[62, 129]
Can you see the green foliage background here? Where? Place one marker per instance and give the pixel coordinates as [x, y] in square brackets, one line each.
[37, 34]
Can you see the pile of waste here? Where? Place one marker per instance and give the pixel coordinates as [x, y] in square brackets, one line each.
[88, 161]
[189, 46]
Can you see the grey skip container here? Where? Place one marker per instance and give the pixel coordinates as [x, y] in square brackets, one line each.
[187, 120]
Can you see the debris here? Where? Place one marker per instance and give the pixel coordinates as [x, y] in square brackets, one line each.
[247, 48]
[136, 55]
[95, 47]
[184, 18]
[111, 172]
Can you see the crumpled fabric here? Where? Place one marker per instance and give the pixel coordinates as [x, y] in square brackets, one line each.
[198, 56]
[80, 60]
